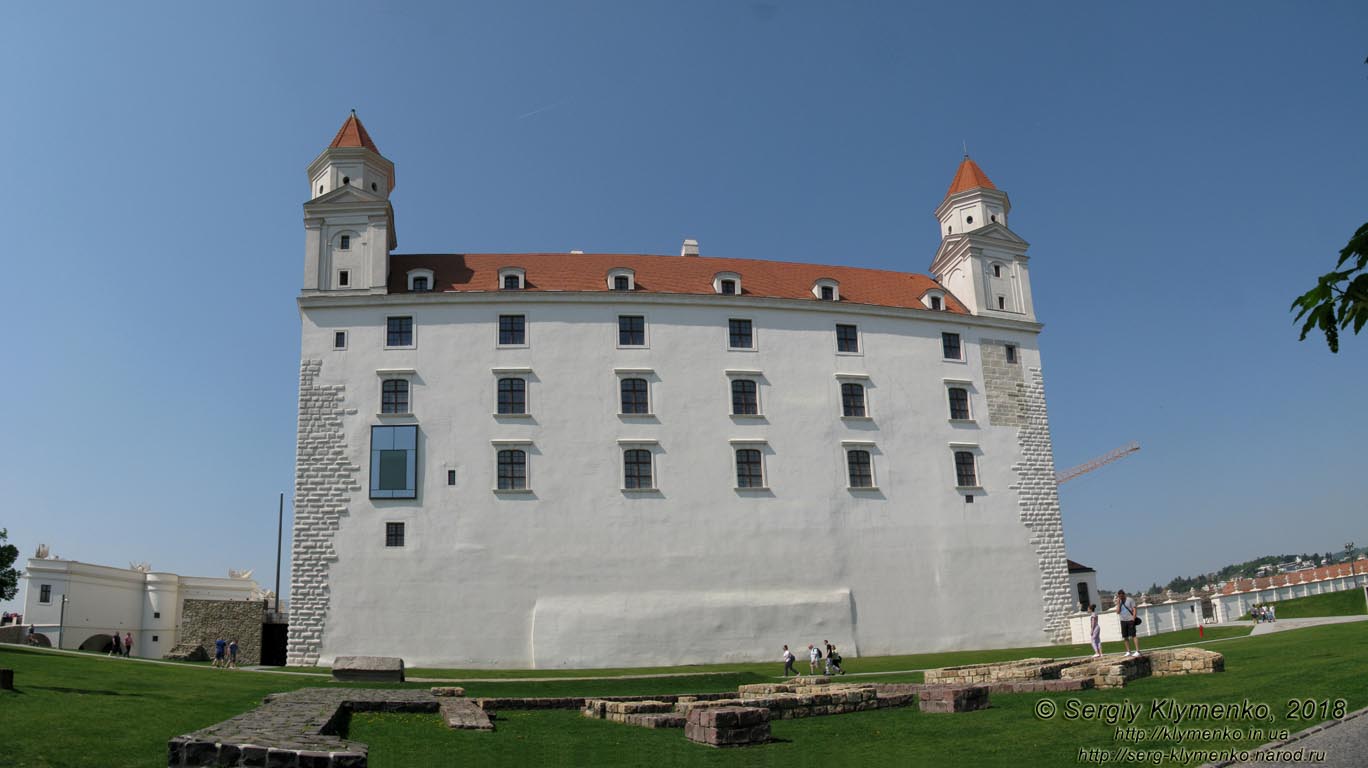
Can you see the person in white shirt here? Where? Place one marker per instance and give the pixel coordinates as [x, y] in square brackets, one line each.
[1125, 610]
[788, 662]
[814, 656]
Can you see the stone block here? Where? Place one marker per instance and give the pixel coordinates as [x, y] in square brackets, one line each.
[199, 752]
[448, 690]
[230, 755]
[253, 756]
[370, 669]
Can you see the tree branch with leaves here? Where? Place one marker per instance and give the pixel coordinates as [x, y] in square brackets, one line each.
[1340, 298]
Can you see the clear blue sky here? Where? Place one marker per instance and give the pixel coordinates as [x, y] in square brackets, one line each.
[1182, 171]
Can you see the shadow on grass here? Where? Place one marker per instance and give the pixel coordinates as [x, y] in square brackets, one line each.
[88, 691]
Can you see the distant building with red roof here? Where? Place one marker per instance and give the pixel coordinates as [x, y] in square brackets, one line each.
[604, 459]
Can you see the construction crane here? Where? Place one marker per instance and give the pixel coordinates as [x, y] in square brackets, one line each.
[1101, 461]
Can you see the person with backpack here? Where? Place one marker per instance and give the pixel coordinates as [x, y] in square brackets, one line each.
[788, 662]
[834, 661]
[814, 656]
[1125, 610]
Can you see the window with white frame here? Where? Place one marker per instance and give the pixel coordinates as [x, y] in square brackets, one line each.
[959, 403]
[637, 469]
[621, 279]
[394, 462]
[859, 467]
[420, 280]
[512, 396]
[966, 470]
[951, 348]
[740, 334]
[394, 396]
[344, 278]
[344, 243]
[727, 283]
[933, 300]
[827, 289]
[634, 392]
[1011, 351]
[745, 397]
[399, 332]
[45, 593]
[853, 400]
[847, 338]
[631, 331]
[512, 468]
[339, 339]
[750, 466]
[512, 330]
[512, 279]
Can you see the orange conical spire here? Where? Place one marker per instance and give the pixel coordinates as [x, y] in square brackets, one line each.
[353, 134]
[969, 176]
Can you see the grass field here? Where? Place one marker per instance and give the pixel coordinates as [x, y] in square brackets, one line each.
[1347, 603]
[77, 711]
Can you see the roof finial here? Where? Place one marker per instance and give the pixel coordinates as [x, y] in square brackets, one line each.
[354, 115]
[966, 142]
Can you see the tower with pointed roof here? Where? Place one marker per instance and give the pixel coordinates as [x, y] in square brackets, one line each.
[348, 220]
[980, 260]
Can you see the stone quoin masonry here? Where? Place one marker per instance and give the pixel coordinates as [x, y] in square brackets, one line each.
[588, 459]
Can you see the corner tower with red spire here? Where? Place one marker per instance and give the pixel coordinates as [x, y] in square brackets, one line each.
[980, 260]
[348, 220]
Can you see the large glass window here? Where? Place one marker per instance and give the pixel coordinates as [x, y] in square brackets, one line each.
[749, 470]
[394, 462]
[394, 396]
[512, 469]
[636, 469]
[959, 403]
[852, 399]
[950, 346]
[860, 467]
[966, 474]
[634, 396]
[399, 331]
[394, 534]
[512, 329]
[740, 334]
[847, 338]
[631, 331]
[745, 398]
[512, 396]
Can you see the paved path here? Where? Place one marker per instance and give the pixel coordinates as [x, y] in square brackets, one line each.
[1281, 625]
[1340, 743]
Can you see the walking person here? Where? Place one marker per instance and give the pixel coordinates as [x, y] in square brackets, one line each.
[220, 645]
[232, 655]
[829, 648]
[1125, 610]
[1095, 631]
[814, 656]
[834, 660]
[1272, 613]
[128, 644]
[116, 649]
[788, 662]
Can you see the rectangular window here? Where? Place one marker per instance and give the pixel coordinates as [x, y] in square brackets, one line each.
[950, 346]
[1002, 302]
[394, 396]
[399, 331]
[852, 399]
[512, 283]
[621, 283]
[420, 284]
[860, 468]
[394, 534]
[156, 614]
[935, 302]
[394, 462]
[512, 396]
[1011, 350]
[512, 329]
[339, 339]
[745, 397]
[828, 293]
[344, 278]
[154, 638]
[847, 338]
[451, 477]
[636, 469]
[728, 287]
[966, 475]
[749, 468]
[45, 593]
[740, 335]
[512, 469]
[959, 403]
[344, 243]
[631, 331]
[634, 396]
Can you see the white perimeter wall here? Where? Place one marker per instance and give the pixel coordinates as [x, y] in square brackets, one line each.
[580, 573]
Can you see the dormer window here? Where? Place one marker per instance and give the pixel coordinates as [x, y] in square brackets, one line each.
[621, 279]
[512, 279]
[827, 290]
[934, 300]
[344, 243]
[727, 283]
[420, 280]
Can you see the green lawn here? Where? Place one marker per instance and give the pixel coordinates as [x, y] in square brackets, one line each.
[79, 710]
[1347, 603]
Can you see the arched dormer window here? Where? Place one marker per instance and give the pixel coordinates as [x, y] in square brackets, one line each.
[827, 289]
[621, 279]
[420, 280]
[512, 279]
[727, 283]
[934, 300]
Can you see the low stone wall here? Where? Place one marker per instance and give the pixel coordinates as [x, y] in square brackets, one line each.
[204, 621]
[1185, 661]
[494, 704]
[1001, 672]
[728, 726]
[18, 634]
[1110, 671]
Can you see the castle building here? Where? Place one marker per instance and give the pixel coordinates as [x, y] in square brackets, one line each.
[595, 459]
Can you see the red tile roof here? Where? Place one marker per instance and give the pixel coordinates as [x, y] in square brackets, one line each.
[1295, 577]
[353, 134]
[969, 176]
[667, 274]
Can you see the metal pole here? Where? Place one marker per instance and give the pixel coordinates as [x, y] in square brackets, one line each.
[61, 620]
[280, 530]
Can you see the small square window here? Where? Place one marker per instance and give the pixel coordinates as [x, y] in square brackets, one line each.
[344, 242]
[740, 334]
[631, 331]
[512, 282]
[420, 284]
[935, 302]
[969, 499]
[339, 339]
[394, 534]
[828, 293]
[847, 338]
[154, 638]
[728, 287]
[451, 477]
[1011, 351]
[621, 283]
[399, 331]
[156, 614]
[950, 346]
[343, 278]
[45, 593]
[512, 330]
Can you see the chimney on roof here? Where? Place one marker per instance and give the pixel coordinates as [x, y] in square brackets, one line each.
[690, 248]
[579, 252]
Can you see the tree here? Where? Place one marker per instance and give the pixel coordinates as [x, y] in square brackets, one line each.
[1340, 297]
[9, 578]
